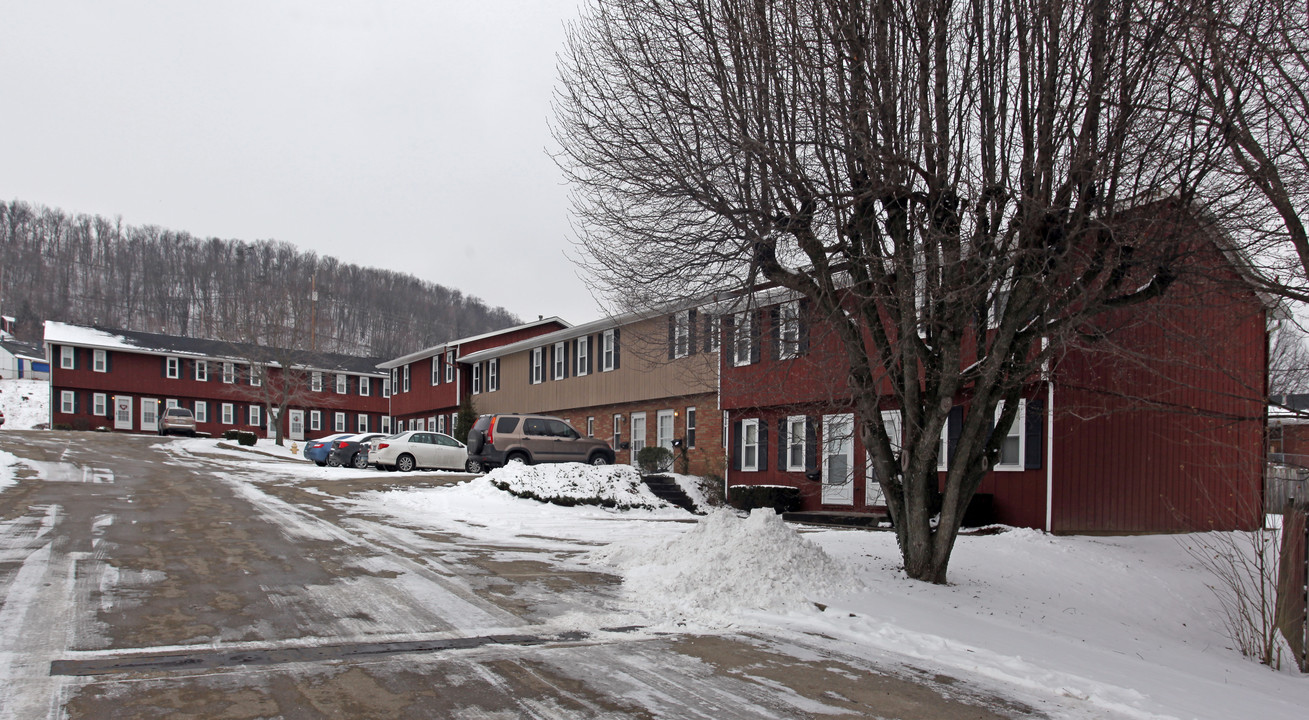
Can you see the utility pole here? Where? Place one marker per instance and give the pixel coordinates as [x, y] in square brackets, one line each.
[313, 314]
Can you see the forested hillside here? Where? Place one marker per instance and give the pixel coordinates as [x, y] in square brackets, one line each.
[94, 270]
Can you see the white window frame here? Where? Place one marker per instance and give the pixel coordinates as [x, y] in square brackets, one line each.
[256, 375]
[67, 357]
[477, 378]
[795, 440]
[688, 438]
[1018, 428]
[440, 424]
[715, 333]
[608, 352]
[631, 431]
[316, 382]
[338, 421]
[201, 411]
[386, 423]
[788, 330]
[454, 421]
[99, 361]
[256, 416]
[537, 360]
[170, 403]
[560, 366]
[493, 374]
[395, 379]
[406, 378]
[749, 441]
[68, 402]
[343, 383]
[99, 404]
[580, 356]
[386, 387]
[741, 339]
[361, 423]
[229, 374]
[365, 386]
[172, 367]
[315, 420]
[450, 357]
[436, 374]
[590, 426]
[618, 430]
[202, 370]
[229, 414]
[681, 334]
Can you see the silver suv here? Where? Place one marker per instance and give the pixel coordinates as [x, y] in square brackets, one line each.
[499, 439]
[177, 420]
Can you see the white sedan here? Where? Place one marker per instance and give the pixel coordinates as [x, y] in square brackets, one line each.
[418, 449]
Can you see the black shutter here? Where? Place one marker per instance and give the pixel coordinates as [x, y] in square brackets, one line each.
[109, 361]
[736, 445]
[804, 326]
[756, 338]
[590, 353]
[954, 428]
[568, 357]
[163, 367]
[728, 329]
[783, 444]
[690, 332]
[617, 352]
[775, 331]
[708, 333]
[763, 445]
[672, 335]
[531, 361]
[1032, 443]
[810, 444]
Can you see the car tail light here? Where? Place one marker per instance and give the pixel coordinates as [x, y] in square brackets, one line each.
[490, 432]
[383, 446]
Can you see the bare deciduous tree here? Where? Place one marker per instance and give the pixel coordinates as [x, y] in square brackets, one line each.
[958, 188]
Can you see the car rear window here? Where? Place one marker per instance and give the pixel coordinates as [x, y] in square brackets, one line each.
[483, 423]
[506, 425]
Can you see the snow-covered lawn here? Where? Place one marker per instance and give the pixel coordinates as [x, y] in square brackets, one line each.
[25, 403]
[1077, 626]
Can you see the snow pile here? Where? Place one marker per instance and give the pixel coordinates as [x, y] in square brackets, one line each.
[25, 403]
[613, 486]
[725, 564]
[8, 463]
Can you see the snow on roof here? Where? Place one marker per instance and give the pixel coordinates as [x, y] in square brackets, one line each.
[436, 349]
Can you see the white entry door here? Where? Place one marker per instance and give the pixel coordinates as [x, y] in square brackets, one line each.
[638, 434]
[838, 459]
[122, 412]
[296, 419]
[150, 414]
[664, 421]
[873, 496]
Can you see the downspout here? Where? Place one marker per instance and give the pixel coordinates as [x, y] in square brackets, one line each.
[1049, 441]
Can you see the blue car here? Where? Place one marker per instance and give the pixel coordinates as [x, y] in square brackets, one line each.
[317, 450]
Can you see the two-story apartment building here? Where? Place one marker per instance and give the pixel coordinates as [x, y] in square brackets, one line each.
[430, 384]
[634, 380]
[121, 380]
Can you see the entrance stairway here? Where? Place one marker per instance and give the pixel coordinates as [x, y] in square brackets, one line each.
[668, 489]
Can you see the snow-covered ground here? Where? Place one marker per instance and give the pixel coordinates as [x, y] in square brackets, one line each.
[1077, 626]
[25, 403]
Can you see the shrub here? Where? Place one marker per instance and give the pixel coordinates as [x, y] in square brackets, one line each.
[63, 426]
[652, 459]
[780, 498]
[246, 438]
[231, 434]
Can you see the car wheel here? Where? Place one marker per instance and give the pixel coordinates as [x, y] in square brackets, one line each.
[517, 457]
[599, 459]
[404, 463]
[474, 467]
[333, 461]
[360, 461]
[320, 463]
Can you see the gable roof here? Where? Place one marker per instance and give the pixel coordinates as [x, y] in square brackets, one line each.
[437, 349]
[57, 333]
[27, 351]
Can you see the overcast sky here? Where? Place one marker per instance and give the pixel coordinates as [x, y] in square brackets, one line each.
[411, 135]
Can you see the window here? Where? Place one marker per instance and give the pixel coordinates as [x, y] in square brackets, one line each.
[98, 361]
[201, 411]
[256, 375]
[343, 381]
[681, 334]
[386, 423]
[66, 357]
[256, 415]
[315, 419]
[365, 386]
[386, 387]
[440, 424]
[715, 333]
[493, 374]
[608, 350]
[172, 368]
[395, 379]
[436, 369]
[690, 427]
[477, 378]
[99, 404]
[561, 361]
[750, 445]
[67, 402]
[454, 422]
[338, 422]
[788, 330]
[406, 379]
[450, 357]
[229, 373]
[618, 431]
[590, 426]
[1014, 447]
[170, 403]
[583, 355]
[316, 382]
[202, 370]
[229, 413]
[361, 424]
[742, 340]
[537, 366]
[638, 433]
